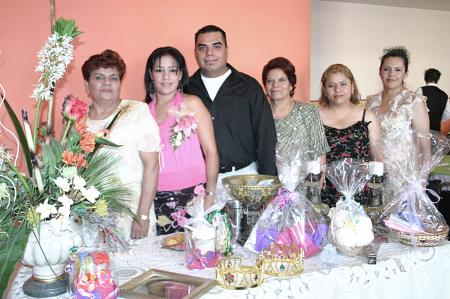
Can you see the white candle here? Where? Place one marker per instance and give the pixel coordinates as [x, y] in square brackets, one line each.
[376, 168]
[313, 166]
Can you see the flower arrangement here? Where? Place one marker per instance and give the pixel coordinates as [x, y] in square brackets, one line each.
[185, 125]
[66, 178]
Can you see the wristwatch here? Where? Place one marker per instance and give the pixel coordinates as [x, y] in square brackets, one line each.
[144, 217]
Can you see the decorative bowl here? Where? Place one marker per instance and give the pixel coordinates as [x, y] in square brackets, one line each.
[249, 190]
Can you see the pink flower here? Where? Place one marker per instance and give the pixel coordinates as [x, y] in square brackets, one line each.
[179, 217]
[171, 204]
[182, 221]
[186, 124]
[199, 190]
[73, 108]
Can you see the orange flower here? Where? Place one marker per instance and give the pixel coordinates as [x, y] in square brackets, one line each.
[71, 158]
[87, 141]
[80, 125]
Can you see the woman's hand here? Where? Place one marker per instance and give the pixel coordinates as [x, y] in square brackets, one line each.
[208, 202]
[139, 230]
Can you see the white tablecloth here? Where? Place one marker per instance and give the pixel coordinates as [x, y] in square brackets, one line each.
[400, 272]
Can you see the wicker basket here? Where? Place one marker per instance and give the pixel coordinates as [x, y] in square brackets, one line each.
[422, 239]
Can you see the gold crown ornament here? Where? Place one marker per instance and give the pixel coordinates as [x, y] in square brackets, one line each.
[231, 274]
[283, 261]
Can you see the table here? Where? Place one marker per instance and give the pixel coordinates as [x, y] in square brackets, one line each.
[401, 272]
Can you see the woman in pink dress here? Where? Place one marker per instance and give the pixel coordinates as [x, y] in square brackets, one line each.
[189, 155]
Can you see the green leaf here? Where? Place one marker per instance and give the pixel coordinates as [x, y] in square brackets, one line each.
[66, 27]
[21, 136]
[11, 252]
[104, 141]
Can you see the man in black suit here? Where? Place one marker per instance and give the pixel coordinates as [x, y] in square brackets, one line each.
[437, 100]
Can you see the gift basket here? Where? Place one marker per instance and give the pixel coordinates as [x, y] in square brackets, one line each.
[350, 227]
[207, 234]
[89, 274]
[412, 217]
[89, 266]
[289, 221]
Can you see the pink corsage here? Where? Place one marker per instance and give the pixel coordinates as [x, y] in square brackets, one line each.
[180, 217]
[185, 125]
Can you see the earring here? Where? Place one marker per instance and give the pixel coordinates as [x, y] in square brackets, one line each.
[180, 87]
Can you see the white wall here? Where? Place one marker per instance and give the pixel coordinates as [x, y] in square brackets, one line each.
[356, 34]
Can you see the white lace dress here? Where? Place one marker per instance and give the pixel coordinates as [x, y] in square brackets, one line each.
[136, 130]
[398, 139]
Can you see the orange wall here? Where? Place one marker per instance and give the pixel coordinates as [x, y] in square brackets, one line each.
[257, 30]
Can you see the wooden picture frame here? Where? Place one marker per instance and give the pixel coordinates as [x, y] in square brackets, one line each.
[159, 284]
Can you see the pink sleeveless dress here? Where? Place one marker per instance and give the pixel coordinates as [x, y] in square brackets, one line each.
[182, 167]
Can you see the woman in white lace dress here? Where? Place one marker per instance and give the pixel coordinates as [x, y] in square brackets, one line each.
[401, 114]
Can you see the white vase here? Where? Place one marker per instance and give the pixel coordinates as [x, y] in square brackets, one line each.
[56, 245]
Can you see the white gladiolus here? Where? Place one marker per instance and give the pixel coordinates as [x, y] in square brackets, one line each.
[54, 57]
[78, 182]
[65, 200]
[64, 211]
[63, 184]
[90, 194]
[69, 172]
[45, 209]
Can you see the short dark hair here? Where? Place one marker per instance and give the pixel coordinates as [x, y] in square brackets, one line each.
[106, 59]
[432, 75]
[338, 68]
[211, 28]
[286, 66]
[398, 51]
[154, 57]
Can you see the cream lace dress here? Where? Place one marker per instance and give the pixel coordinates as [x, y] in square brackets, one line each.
[136, 130]
[398, 139]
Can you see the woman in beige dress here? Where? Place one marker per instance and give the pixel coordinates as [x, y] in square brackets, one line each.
[134, 129]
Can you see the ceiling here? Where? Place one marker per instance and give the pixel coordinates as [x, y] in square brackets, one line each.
[422, 4]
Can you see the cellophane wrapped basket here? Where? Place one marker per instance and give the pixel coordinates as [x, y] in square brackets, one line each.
[350, 227]
[412, 217]
[289, 221]
[207, 234]
[89, 266]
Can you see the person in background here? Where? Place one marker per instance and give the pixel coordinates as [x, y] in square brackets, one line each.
[189, 155]
[351, 130]
[437, 100]
[242, 120]
[134, 129]
[294, 120]
[400, 112]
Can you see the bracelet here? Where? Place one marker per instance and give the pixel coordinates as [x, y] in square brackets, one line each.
[209, 193]
[144, 217]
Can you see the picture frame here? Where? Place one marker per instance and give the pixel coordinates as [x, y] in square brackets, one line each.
[160, 284]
